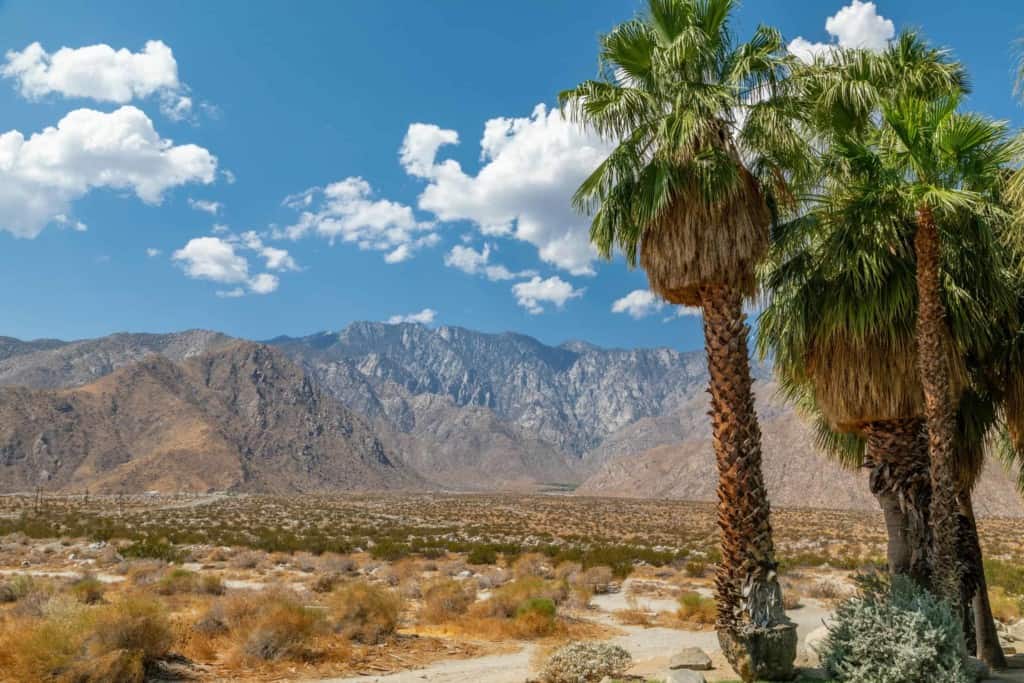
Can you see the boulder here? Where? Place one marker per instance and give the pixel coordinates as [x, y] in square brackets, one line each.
[692, 658]
[1016, 631]
[813, 644]
[761, 653]
[684, 676]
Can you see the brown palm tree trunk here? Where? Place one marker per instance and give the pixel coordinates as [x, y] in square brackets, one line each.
[749, 596]
[986, 636]
[932, 360]
[897, 456]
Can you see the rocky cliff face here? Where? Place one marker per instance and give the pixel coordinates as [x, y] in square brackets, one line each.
[400, 405]
[243, 417]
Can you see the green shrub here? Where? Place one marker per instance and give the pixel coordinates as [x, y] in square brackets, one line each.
[541, 606]
[153, 548]
[894, 633]
[482, 554]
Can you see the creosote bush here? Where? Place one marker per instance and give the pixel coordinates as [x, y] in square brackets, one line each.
[445, 599]
[365, 612]
[894, 633]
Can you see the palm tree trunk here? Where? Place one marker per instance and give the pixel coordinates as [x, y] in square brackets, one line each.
[897, 456]
[931, 333]
[749, 596]
[986, 636]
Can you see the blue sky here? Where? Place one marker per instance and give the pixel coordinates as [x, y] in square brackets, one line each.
[245, 172]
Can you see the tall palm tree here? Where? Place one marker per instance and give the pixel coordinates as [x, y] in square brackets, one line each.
[940, 165]
[707, 142]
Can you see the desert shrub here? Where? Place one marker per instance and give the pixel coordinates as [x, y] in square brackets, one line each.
[826, 589]
[153, 548]
[531, 564]
[211, 584]
[247, 559]
[389, 550]
[178, 580]
[894, 633]
[325, 583]
[568, 571]
[790, 598]
[333, 563]
[585, 662]
[364, 612]
[36, 648]
[544, 607]
[696, 608]
[1006, 608]
[282, 630]
[145, 572]
[445, 599]
[1006, 575]
[482, 554]
[16, 588]
[505, 601]
[134, 623]
[87, 589]
[695, 568]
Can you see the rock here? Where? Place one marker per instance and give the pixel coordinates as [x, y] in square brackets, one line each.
[465, 574]
[684, 676]
[813, 644]
[1016, 631]
[979, 668]
[692, 658]
[119, 666]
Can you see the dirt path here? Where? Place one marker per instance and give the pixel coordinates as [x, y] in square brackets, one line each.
[650, 647]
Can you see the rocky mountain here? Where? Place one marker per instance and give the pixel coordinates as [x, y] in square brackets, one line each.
[447, 407]
[53, 364]
[242, 417]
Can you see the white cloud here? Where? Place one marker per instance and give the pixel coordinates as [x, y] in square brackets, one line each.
[152, 253]
[473, 262]
[215, 259]
[210, 207]
[419, 149]
[639, 303]
[101, 73]
[535, 292]
[231, 293]
[41, 176]
[424, 317]
[77, 226]
[276, 259]
[531, 168]
[857, 25]
[347, 211]
[219, 229]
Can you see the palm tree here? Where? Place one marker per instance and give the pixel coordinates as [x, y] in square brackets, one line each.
[895, 119]
[707, 141]
[940, 165]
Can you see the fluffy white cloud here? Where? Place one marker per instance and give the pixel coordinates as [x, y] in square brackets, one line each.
[41, 176]
[101, 73]
[347, 211]
[215, 259]
[424, 317]
[210, 207]
[64, 221]
[419, 149]
[473, 262]
[639, 303]
[857, 25]
[535, 292]
[531, 167]
[152, 253]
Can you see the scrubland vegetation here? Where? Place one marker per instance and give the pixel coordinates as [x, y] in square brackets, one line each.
[260, 587]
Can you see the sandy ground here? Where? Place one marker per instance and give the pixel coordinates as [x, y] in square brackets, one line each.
[651, 648]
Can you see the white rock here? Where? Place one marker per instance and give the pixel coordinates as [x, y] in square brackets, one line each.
[813, 644]
[692, 658]
[684, 676]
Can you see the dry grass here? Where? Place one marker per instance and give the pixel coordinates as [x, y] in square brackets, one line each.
[365, 612]
[445, 600]
[694, 608]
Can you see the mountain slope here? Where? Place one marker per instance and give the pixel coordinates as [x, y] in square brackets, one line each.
[243, 417]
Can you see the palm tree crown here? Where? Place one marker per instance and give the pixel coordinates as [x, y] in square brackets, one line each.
[702, 124]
